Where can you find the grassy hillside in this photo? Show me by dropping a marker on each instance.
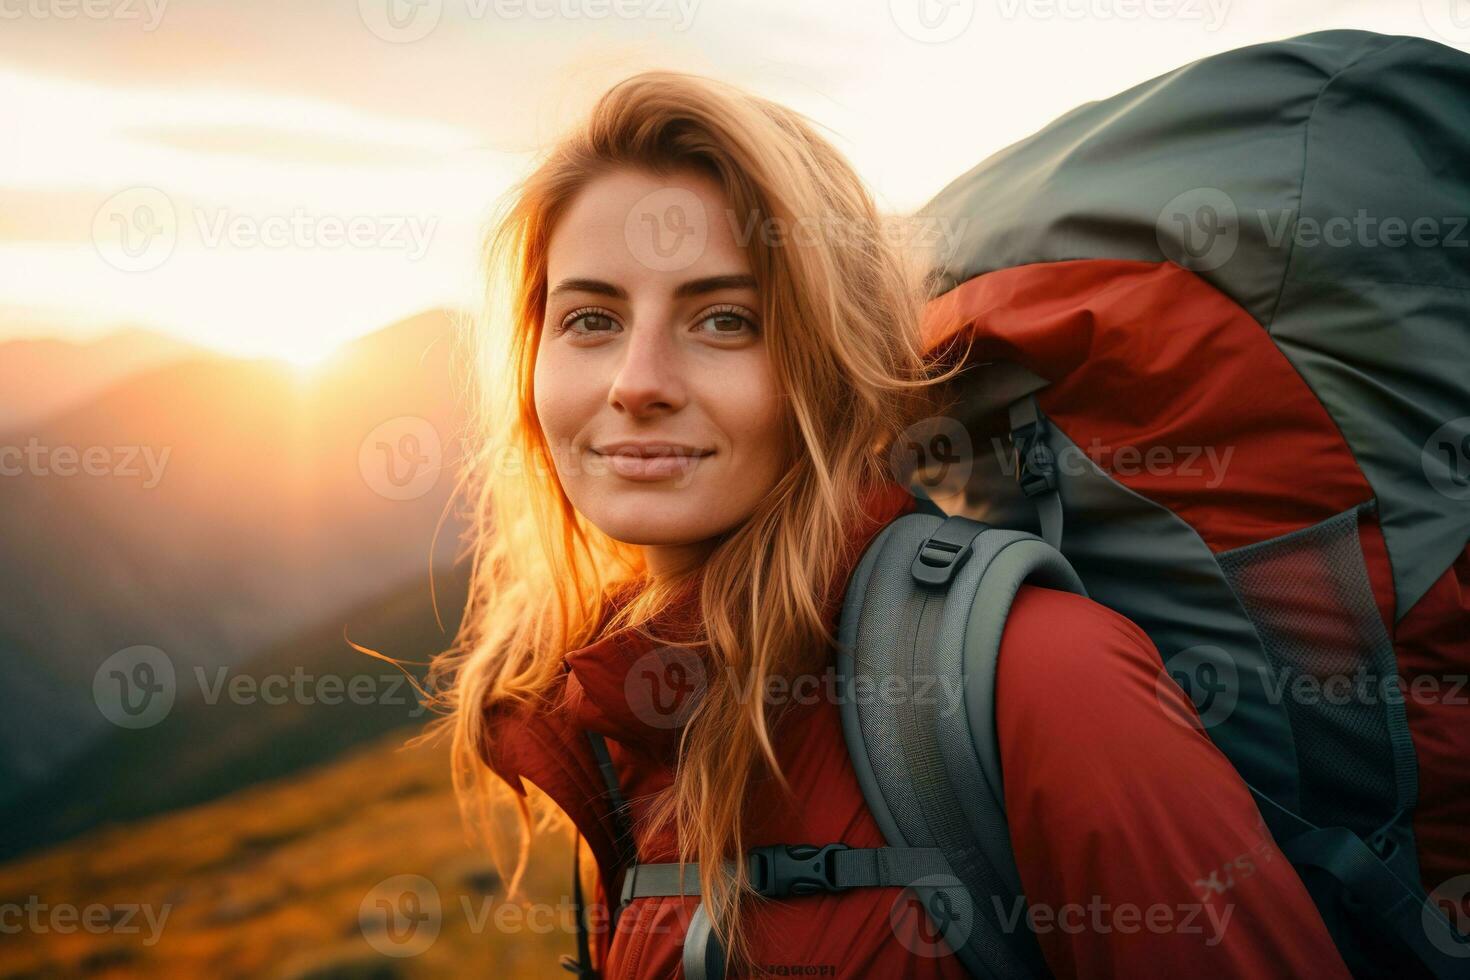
(327, 698)
(272, 882)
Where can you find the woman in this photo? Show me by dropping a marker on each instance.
(711, 343)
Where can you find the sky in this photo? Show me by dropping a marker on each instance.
(275, 177)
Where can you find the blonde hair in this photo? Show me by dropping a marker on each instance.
(841, 314)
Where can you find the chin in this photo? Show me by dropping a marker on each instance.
(662, 516)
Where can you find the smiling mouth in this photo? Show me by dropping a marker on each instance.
(651, 462)
(651, 451)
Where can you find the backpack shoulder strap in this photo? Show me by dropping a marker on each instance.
(919, 639)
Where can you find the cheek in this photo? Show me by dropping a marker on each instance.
(755, 412)
(565, 399)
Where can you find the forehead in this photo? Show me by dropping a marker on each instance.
(634, 226)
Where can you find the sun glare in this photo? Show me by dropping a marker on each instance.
(307, 360)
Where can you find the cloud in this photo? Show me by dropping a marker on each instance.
(263, 142)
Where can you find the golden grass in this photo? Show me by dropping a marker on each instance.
(269, 882)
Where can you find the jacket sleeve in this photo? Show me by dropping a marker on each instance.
(1141, 850)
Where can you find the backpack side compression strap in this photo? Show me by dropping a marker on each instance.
(921, 627)
(1401, 909)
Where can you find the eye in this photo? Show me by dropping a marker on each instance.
(727, 321)
(590, 320)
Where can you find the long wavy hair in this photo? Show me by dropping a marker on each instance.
(842, 314)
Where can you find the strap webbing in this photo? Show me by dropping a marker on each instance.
(1405, 912)
(840, 867)
(854, 867)
(627, 855)
(1027, 431)
(924, 504)
(582, 965)
(617, 804)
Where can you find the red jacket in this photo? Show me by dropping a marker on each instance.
(1140, 849)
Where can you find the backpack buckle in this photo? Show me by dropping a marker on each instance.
(1035, 464)
(780, 870)
(944, 551)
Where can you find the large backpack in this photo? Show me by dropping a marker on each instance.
(1149, 279)
(1261, 255)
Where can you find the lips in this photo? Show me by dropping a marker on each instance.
(650, 460)
(649, 450)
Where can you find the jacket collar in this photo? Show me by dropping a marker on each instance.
(638, 684)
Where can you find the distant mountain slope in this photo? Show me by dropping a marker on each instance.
(266, 508)
(272, 882)
(301, 703)
(43, 376)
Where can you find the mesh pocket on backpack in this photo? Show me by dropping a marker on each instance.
(1311, 602)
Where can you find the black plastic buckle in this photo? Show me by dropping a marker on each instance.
(793, 869)
(943, 552)
(1035, 464)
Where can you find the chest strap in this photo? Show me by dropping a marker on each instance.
(776, 871)
(781, 871)
(786, 870)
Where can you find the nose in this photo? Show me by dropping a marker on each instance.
(648, 380)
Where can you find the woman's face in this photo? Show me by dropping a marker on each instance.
(653, 383)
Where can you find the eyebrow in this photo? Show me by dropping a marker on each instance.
(694, 287)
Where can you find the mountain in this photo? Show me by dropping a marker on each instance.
(301, 703)
(283, 880)
(225, 506)
(43, 376)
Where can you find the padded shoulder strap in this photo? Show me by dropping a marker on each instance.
(921, 631)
